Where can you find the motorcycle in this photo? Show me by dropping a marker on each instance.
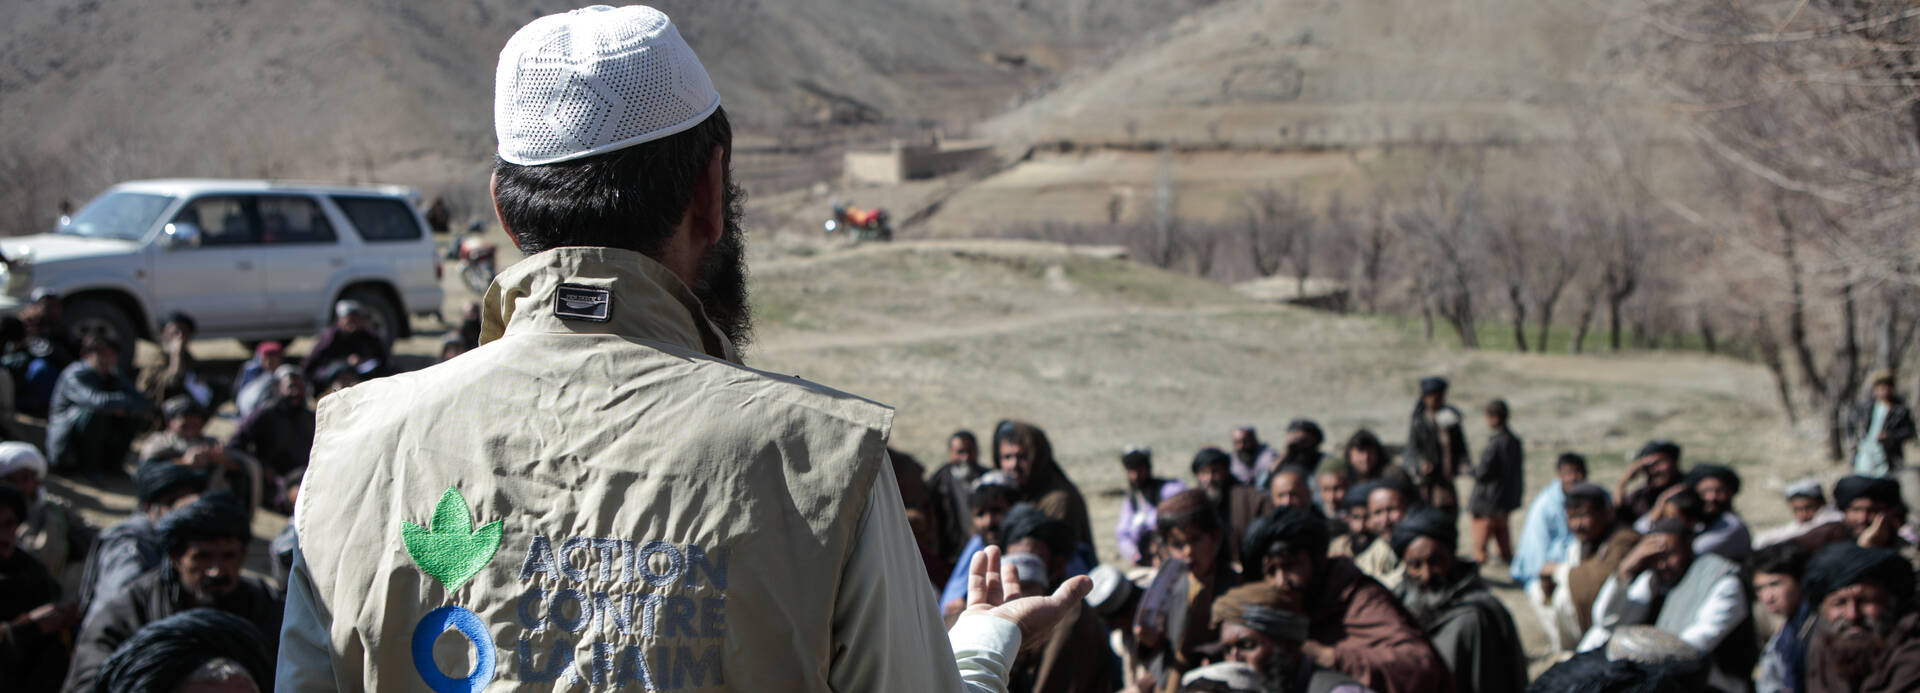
(476, 256)
(861, 224)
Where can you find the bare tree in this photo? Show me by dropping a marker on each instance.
(1444, 217)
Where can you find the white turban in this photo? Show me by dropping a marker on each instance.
(15, 456)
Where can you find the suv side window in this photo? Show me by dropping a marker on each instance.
(223, 221)
(380, 218)
(292, 220)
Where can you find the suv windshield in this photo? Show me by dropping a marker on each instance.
(122, 215)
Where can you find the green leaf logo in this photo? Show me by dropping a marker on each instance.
(451, 551)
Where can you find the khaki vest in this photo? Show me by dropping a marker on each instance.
(664, 518)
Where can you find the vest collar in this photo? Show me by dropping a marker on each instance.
(643, 300)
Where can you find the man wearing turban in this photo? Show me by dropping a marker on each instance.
(1355, 626)
(1260, 629)
(1867, 636)
(1468, 626)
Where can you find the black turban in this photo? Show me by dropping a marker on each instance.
(1432, 523)
(1210, 457)
(11, 497)
(160, 656)
(1842, 564)
(1660, 447)
(1430, 386)
(1847, 489)
(1025, 521)
(156, 479)
(213, 516)
(1307, 425)
(1713, 471)
(1289, 529)
(1592, 672)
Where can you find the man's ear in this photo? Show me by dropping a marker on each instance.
(707, 212)
(493, 194)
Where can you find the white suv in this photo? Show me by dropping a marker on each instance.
(248, 260)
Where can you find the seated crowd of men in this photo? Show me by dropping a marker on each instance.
(159, 599)
(1274, 569)
(1282, 569)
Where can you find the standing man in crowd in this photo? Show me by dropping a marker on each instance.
(1700, 598)
(1469, 627)
(1137, 510)
(1236, 505)
(1026, 457)
(1867, 638)
(1498, 482)
(1251, 456)
(96, 413)
(1879, 429)
(1355, 626)
(1301, 449)
(950, 485)
(1659, 460)
(606, 416)
(1436, 447)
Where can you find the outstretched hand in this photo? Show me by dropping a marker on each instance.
(994, 589)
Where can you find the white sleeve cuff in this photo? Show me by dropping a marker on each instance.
(983, 649)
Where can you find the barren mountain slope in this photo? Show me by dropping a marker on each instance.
(1329, 73)
(331, 88)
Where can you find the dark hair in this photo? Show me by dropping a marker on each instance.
(1678, 528)
(1588, 494)
(1571, 459)
(213, 516)
(1137, 458)
(1288, 529)
(1025, 521)
(988, 493)
(11, 497)
(93, 343)
(1364, 438)
(1498, 408)
(1784, 558)
(1188, 508)
(965, 435)
(165, 653)
(183, 320)
(1210, 457)
(630, 198)
(1689, 504)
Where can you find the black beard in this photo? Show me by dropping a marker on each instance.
(722, 282)
(1854, 655)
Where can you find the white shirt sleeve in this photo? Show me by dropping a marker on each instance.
(887, 632)
(306, 657)
(1617, 606)
(1724, 608)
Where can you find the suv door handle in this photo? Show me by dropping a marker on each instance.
(243, 265)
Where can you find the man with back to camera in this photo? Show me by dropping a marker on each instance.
(600, 493)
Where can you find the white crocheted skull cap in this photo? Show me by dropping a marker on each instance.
(594, 80)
